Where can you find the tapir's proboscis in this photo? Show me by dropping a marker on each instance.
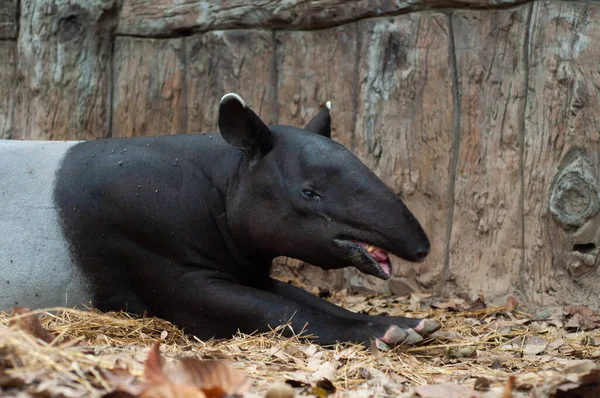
(185, 227)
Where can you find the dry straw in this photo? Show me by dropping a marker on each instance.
(477, 348)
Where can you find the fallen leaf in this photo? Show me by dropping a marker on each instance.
(580, 323)
(511, 304)
(280, 390)
(168, 390)
(448, 335)
(553, 345)
(479, 304)
(296, 383)
(534, 345)
(579, 309)
(7, 381)
(496, 364)
(153, 366)
(326, 385)
(482, 384)
(508, 387)
(29, 323)
(325, 371)
(462, 352)
(446, 390)
(448, 305)
(186, 378)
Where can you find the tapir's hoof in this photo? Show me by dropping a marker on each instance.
(397, 335)
(426, 327)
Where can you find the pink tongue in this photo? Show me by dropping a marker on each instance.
(379, 255)
(385, 268)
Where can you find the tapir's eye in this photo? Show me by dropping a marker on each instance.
(308, 194)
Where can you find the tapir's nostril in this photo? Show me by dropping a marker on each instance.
(421, 254)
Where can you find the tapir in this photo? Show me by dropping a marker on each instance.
(185, 227)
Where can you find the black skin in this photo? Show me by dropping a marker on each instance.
(185, 227)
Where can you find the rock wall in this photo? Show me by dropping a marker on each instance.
(482, 114)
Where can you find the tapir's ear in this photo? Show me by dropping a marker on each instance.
(321, 124)
(241, 127)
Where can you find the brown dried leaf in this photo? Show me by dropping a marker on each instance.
(280, 390)
(579, 309)
(511, 304)
(326, 385)
(186, 378)
(448, 335)
(296, 383)
(508, 388)
(534, 345)
(482, 384)
(153, 366)
(479, 304)
(214, 378)
(580, 322)
(7, 381)
(168, 390)
(446, 390)
(29, 323)
(448, 305)
(123, 381)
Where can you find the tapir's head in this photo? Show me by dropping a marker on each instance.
(300, 194)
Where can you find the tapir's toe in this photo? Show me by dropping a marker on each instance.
(413, 337)
(396, 335)
(426, 327)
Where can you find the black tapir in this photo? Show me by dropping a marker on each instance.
(185, 227)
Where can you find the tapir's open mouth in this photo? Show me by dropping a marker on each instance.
(367, 258)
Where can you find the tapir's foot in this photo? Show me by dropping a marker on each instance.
(396, 335)
(426, 327)
(422, 327)
(408, 331)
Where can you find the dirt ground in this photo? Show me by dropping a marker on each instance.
(480, 351)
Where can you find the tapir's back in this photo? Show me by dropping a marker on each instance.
(35, 268)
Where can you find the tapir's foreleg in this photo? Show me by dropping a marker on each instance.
(421, 326)
(217, 308)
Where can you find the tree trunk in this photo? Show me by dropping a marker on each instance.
(64, 58)
(8, 19)
(231, 61)
(404, 127)
(561, 155)
(8, 88)
(168, 17)
(487, 227)
(313, 68)
(148, 87)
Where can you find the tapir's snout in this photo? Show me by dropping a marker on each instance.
(415, 241)
(422, 253)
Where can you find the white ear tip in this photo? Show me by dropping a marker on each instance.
(234, 96)
(328, 105)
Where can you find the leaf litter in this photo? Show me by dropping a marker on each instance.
(481, 351)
